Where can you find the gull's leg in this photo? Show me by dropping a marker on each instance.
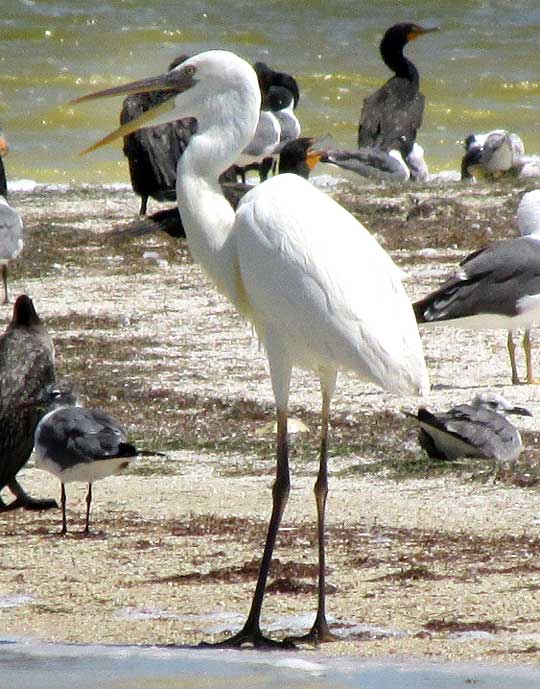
(320, 631)
(251, 631)
(63, 501)
(512, 354)
(528, 358)
(88, 503)
(4, 277)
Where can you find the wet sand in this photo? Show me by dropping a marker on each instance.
(426, 560)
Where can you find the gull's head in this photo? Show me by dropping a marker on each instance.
(495, 402)
(216, 87)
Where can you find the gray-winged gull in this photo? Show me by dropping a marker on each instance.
(78, 444)
(497, 287)
(479, 429)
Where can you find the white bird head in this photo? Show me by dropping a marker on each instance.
(495, 402)
(215, 87)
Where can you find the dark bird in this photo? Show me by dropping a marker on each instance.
(153, 152)
(497, 287)
(391, 116)
(479, 429)
(299, 157)
(268, 77)
(78, 444)
(26, 365)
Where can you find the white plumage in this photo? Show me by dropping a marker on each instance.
(318, 288)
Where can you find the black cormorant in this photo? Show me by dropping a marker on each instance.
(153, 152)
(26, 365)
(392, 115)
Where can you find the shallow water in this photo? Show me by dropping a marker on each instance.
(479, 72)
(32, 665)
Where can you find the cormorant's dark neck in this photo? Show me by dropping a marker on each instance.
(392, 55)
(3, 182)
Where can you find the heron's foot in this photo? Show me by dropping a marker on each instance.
(531, 380)
(318, 634)
(250, 637)
(515, 380)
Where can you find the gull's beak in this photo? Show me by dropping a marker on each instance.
(520, 411)
(176, 81)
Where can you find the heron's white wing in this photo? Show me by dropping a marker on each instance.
(317, 277)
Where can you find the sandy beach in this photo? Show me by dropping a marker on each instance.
(424, 559)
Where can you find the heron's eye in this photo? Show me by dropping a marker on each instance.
(189, 71)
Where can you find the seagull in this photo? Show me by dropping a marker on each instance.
(78, 444)
(278, 123)
(314, 303)
(479, 429)
(392, 115)
(26, 365)
(496, 287)
(11, 239)
(492, 155)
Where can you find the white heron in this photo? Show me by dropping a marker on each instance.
(319, 290)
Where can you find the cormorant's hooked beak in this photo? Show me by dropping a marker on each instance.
(419, 31)
(313, 158)
(176, 81)
(314, 153)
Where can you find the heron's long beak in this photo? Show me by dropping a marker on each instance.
(175, 82)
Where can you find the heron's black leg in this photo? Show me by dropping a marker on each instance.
(512, 354)
(63, 501)
(251, 631)
(320, 631)
(88, 503)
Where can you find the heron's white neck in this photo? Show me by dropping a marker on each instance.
(206, 214)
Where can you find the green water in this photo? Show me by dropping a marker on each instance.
(479, 72)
